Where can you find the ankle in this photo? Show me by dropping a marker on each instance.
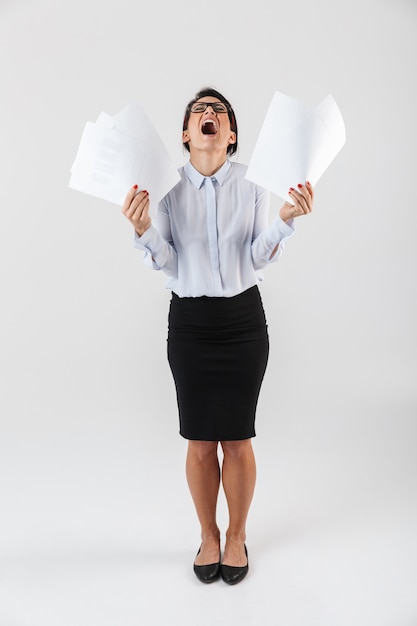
(235, 537)
(210, 536)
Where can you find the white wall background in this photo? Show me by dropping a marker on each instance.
(96, 524)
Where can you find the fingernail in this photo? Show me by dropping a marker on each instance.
(144, 191)
(299, 185)
(308, 183)
(135, 186)
(291, 188)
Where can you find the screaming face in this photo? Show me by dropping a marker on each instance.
(207, 127)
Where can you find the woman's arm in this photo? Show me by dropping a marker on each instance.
(265, 236)
(160, 253)
(266, 246)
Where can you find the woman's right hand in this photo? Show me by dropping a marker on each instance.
(136, 209)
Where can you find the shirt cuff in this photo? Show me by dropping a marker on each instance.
(280, 230)
(144, 242)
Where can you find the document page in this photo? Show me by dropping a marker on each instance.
(296, 143)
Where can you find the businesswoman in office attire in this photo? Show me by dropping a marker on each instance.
(212, 237)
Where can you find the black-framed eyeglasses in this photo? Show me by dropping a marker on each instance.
(200, 107)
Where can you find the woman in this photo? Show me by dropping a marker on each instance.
(212, 239)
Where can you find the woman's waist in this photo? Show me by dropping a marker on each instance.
(243, 310)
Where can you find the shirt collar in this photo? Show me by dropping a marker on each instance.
(197, 179)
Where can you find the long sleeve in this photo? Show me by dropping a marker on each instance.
(267, 237)
(158, 247)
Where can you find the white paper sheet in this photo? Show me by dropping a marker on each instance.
(120, 151)
(297, 142)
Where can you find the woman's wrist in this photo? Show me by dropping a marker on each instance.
(285, 214)
(141, 231)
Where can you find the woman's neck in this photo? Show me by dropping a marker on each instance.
(207, 163)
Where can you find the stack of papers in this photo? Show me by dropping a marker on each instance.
(118, 152)
(297, 142)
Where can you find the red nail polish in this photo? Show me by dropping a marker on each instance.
(135, 186)
(144, 191)
(291, 188)
(299, 185)
(308, 183)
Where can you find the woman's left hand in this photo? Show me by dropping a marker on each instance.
(303, 202)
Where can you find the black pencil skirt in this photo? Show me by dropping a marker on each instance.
(218, 351)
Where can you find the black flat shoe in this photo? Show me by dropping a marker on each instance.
(207, 573)
(233, 575)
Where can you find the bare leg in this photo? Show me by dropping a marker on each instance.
(239, 476)
(203, 476)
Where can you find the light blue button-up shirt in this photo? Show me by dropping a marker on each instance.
(211, 235)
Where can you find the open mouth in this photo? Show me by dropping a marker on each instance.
(209, 127)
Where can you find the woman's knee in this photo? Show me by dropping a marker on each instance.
(236, 448)
(202, 449)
